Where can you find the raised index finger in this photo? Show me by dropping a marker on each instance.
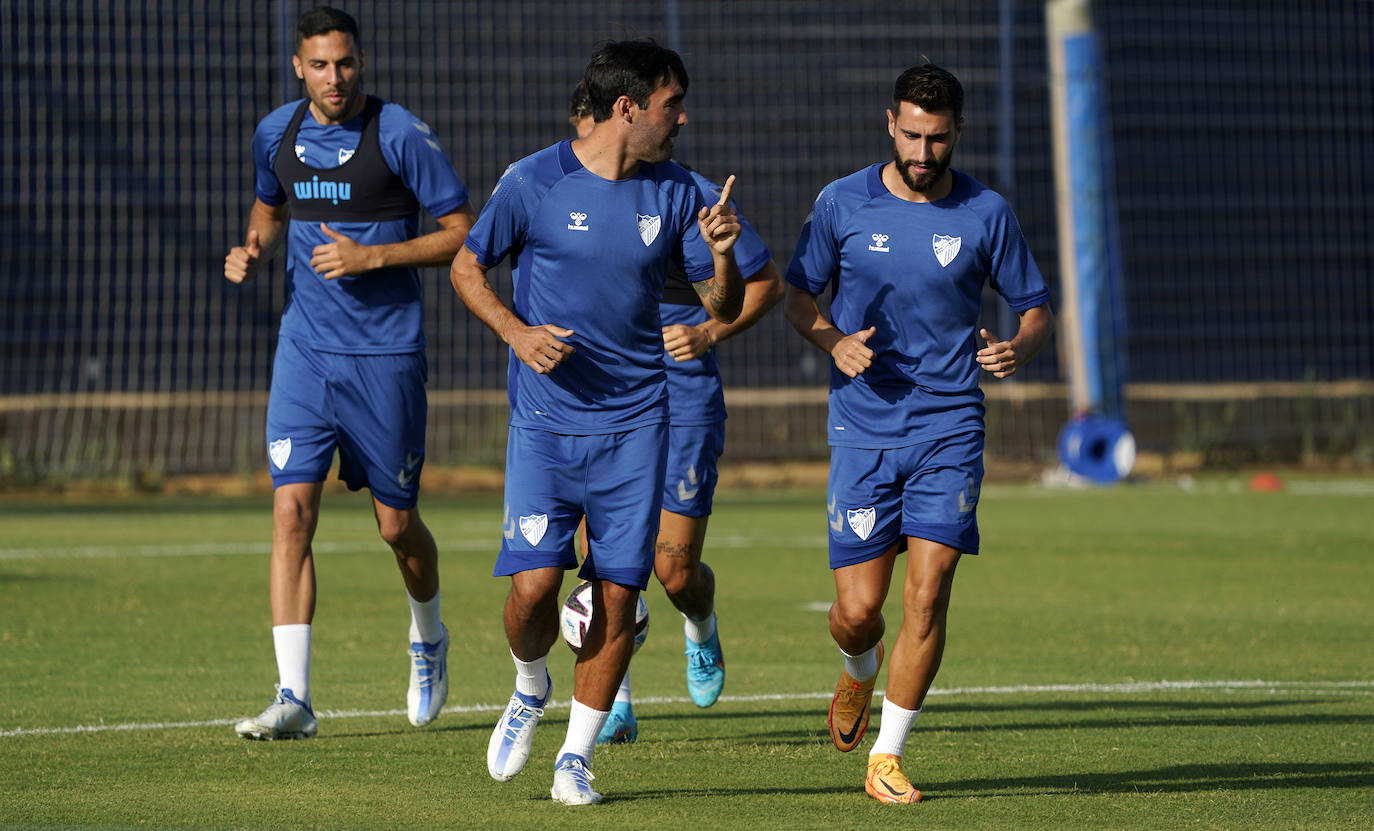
(725, 191)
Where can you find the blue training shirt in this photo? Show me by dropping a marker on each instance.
(590, 254)
(915, 271)
(364, 314)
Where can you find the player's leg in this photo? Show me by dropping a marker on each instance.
(621, 727)
(417, 556)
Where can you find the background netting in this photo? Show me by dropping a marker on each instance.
(1242, 142)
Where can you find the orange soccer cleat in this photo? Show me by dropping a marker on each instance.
(849, 709)
(886, 782)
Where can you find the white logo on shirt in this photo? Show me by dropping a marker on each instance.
(648, 227)
(578, 217)
(532, 528)
(879, 243)
(300, 152)
(861, 520)
(345, 155)
(946, 248)
(280, 451)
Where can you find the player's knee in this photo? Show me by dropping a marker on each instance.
(676, 576)
(394, 528)
(855, 617)
(924, 605)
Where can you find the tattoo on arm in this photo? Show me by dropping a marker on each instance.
(712, 291)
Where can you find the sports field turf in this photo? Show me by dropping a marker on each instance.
(1138, 657)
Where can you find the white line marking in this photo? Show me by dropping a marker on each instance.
(1337, 688)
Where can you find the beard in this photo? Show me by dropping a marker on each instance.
(920, 182)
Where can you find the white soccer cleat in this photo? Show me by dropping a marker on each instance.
(428, 680)
(287, 717)
(572, 782)
(509, 747)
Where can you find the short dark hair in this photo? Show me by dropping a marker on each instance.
(629, 67)
(322, 20)
(579, 105)
(930, 88)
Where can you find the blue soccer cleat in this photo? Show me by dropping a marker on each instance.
(572, 781)
(509, 747)
(428, 680)
(620, 726)
(287, 717)
(705, 670)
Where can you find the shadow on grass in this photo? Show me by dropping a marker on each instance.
(1172, 779)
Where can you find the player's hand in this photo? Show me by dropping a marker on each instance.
(540, 347)
(719, 224)
(341, 257)
(998, 357)
(686, 342)
(850, 353)
(242, 261)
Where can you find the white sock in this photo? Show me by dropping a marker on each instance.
(622, 695)
(863, 666)
(532, 677)
(700, 631)
(292, 645)
(425, 625)
(584, 724)
(896, 725)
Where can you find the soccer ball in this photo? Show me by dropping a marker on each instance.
(576, 616)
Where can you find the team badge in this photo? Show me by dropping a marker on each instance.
(345, 155)
(280, 451)
(946, 248)
(648, 227)
(532, 528)
(861, 520)
(300, 152)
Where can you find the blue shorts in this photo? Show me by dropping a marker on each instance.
(553, 480)
(372, 408)
(928, 490)
(691, 480)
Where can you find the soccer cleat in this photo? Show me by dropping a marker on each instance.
(287, 717)
(572, 782)
(509, 747)
(886, 782)
(849, 709)
(620, 726)
(705, 670)
(428, 680)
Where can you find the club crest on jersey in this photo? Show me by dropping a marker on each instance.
(648, 227)
(880, 243)
(300, 152)
(280, 451)
(578, 217)
(946, 248)
(532, 528)
(345, 155)
(861, 520)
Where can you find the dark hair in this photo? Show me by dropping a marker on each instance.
(579, 106)
(629, 67)
(930, 88)
(322, 20)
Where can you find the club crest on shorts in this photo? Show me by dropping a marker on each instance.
(946, 248)
(861, 520)
(280, 451)
(648, 227)
(532, 528)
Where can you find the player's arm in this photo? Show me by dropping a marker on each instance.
(723, 293)
(538, 347)
(761, 292)
(344, 256)
(850, 354)
(266, 230)
(1002, 357)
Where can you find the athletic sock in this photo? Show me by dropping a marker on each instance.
(425, 626)
(863, 666)
(622, 695)
(895, 727)
(292, 645)
(584, 724)
(700, 631)
(532, 677)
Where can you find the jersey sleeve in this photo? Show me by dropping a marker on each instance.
(414, 153)
(816, 259)
(266, 139)
(1014, 275)
(692, 253)
(501, 226)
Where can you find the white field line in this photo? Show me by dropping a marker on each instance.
(1329, 688)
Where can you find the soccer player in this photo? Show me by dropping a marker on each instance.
(591, 225)
(696, 435)
(341, 177)
(906, 246)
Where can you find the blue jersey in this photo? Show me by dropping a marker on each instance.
(590, 254)
(915, 271)
(695, 393)
(364, 314)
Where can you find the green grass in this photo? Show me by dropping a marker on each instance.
(146, 620)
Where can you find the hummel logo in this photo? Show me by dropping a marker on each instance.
(412, 461)
(578, 217)
(507, 527)
(836, 520)
(972, 502)
(879, 243)
(404, 479)
(682, 492)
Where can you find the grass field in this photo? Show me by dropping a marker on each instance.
(1138, 657)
